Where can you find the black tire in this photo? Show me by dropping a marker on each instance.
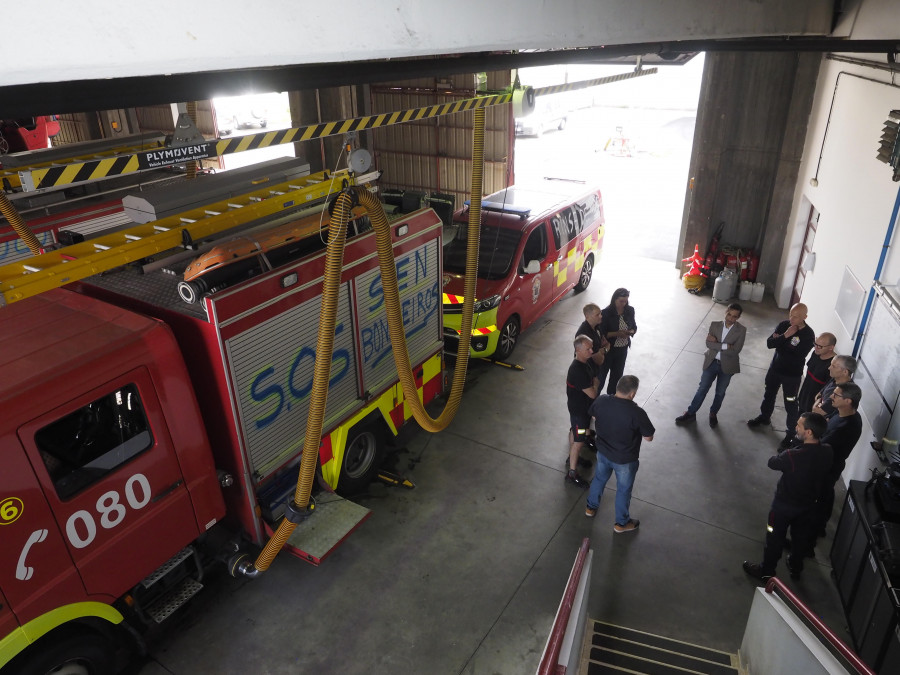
(76, 654)
(362, 459)
(587, 270)
(562, 124)
(509, 337)
(263, 124)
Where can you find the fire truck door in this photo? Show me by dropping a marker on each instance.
(108, 469)
(36, 572)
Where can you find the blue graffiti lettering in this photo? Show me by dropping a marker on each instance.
(402, 274)
(262, 392)
(416, 311)
(261, 396)
(376, 294)
(421, 265)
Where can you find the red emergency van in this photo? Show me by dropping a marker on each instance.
(537, 244)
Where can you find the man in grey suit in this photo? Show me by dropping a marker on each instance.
(723, 346)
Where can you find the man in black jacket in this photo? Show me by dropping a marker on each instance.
(804, 472)
(621, 426)
(791, 340)
(816, 370)
(581, 390)
(842, 434)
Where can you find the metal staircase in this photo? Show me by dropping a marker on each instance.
(614, 649)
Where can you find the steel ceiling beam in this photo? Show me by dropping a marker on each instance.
(49, 98)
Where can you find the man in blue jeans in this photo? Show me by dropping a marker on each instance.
(621, 424)
(723, 345)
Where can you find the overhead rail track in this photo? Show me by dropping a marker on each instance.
(35, 275)
(43, 178)
(573, 86)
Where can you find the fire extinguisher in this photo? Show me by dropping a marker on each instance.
(731, 260)
(752, 266)
(744, 263)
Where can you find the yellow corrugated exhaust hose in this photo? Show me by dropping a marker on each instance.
(298, 511)
(334, 259)
(19, 225)
(191, 165)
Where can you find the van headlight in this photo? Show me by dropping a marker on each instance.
(486, 304)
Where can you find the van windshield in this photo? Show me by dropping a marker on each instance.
(496, 252)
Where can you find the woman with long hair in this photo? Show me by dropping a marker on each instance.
(618, 326)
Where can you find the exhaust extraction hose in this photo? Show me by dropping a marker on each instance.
(299, 510)
(392, 294)
(392, 298)
(19, 225)
(191, 165)
(334, 259)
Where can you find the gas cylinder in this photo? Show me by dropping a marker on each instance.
(723, 290)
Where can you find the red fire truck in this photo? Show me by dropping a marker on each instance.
(144, 437)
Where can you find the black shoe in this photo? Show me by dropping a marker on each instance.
(582, 462)
(788, 544)
(759, 420)
(713, 420)
(575, 479)
(794, 568)
(786, 442)
(755, 570)
(685, 417)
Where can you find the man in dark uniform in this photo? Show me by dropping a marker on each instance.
(621, 425)
(841, 370)
(591, 327)
(842, 434)
(794, 506)
(791, 340)
(816, 371)
(581, 390)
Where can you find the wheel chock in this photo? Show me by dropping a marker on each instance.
(512, 366)
(393, 479)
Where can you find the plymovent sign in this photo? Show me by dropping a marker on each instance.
(169, 156)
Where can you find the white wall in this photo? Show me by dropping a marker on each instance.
(855, 197)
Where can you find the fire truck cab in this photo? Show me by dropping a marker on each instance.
(105, 455)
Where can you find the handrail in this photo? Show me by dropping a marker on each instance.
(561, 622)
(845, 651)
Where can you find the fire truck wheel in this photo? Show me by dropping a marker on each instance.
(584, 278)
(76, 654)
(509, 336)
(362, 458)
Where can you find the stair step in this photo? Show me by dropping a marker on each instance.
(177, 596)
(714, 655)
(168, 566)
(615, 649)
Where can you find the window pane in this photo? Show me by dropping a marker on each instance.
(85, 445)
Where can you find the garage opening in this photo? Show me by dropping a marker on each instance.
(250, 114)
(632, 138)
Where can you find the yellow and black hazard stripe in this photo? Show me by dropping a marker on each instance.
(93, 170)
(79, 172)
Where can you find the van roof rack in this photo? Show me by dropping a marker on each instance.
(500, 207)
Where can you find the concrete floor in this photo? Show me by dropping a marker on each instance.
(464, 573)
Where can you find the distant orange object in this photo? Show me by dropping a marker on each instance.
(246, 246)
